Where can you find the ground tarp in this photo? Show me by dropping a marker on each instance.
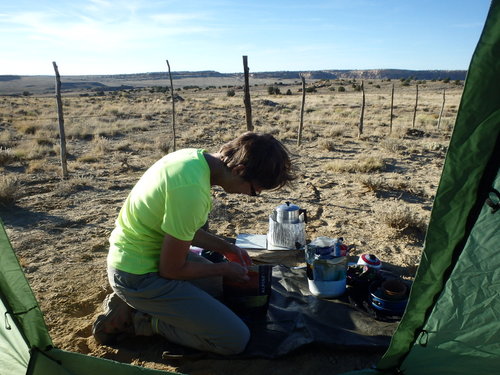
(295, 318)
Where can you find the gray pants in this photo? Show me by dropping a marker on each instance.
(184, 312)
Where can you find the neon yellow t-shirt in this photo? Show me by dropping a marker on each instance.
(172, 197)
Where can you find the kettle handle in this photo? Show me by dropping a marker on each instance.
(303, 211)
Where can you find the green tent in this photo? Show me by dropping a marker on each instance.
(452, 321)
(25, 344)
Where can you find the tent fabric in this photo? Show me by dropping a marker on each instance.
(22, 323)
(467, 341)
(61, 362)
(451, 321)
(22, 304)
(14, 352)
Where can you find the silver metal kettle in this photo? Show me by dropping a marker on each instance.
(289, 213)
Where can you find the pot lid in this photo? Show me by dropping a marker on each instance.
(287, 206)
(369, 260)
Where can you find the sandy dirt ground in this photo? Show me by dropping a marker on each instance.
(60, 228)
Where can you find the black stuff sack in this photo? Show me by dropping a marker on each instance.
(250, 298)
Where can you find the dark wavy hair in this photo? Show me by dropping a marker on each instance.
(267, 161)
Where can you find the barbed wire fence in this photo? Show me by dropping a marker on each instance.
(51, 121)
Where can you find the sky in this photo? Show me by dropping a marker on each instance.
(138, 36)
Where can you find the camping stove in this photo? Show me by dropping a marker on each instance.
(287, 227)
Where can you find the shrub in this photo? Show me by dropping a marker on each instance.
(401, 217)
(271, 90)
(374, 184)
(6, 156)
(230, 92)
(341, 89)
(363, 164)
(8, 189)
(328, 145)
(393, 145)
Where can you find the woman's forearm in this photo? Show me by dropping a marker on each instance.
(209, 241)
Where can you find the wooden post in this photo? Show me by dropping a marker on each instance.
(415, 109)
(173, 104)
(442, 109)
(392, 109)
(60, 117)
(299, 137)
(246, 99)
(362, 115)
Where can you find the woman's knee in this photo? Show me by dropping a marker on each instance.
(236, 343)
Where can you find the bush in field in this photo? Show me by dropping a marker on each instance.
(363, 165)
(8, 189)
(230, 92)
(341, 89)
(328, 145)
(402, 217)
(6, 156)
(271, 90)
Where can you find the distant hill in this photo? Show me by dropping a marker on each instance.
(370, 74)
(314, 74)
(44, 84)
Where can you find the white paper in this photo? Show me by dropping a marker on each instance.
(252, 241)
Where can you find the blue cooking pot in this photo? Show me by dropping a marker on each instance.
(389, 304)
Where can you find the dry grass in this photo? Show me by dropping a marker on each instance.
(364, 164)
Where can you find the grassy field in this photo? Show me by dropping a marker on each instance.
(375, 189)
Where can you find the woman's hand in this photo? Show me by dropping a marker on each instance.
(235, 272)
(238, 255)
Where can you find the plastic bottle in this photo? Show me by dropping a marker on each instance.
(338, 244)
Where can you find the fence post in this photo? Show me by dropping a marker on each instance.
(362, 115)
(392, 109)
(173, 104)
(60, 117)
(442, 109)
(246, 99)
(415, 109)
(299, 137)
